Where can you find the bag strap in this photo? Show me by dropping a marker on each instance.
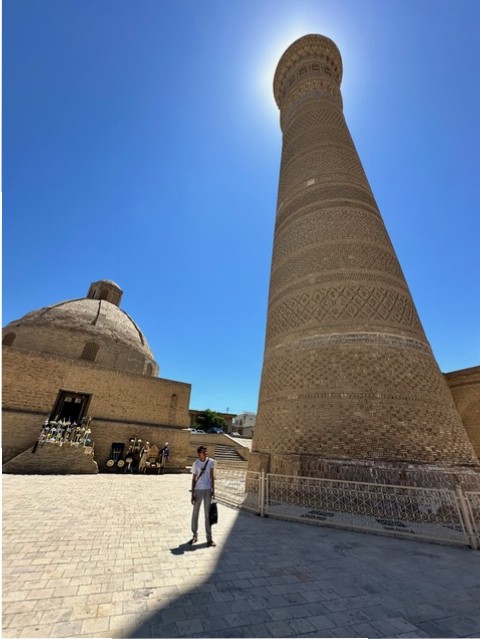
(203, 469)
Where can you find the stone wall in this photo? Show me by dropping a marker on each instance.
(105, 433)
(53, 460)
(20, 429)
(465, 388)
(121, 405)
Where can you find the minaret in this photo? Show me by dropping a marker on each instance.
(348, 373)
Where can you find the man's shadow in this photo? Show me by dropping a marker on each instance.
(187, 547)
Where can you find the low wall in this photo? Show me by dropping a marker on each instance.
(51, 459)
(104, 433)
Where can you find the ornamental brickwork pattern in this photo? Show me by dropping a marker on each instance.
(330, 307)
(348, 372)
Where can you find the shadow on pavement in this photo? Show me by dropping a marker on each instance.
(271, 578)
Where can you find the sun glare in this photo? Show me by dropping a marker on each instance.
(271, 48)
(269, 58)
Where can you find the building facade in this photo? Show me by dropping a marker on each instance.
(87, 357)
(244, 423)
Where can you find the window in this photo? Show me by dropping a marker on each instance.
(90, 351)
(173, 409)
(8, 339)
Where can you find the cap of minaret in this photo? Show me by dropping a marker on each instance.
(311, 65)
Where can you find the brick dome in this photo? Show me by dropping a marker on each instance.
(94, 329)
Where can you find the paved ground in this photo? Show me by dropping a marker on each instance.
(106, 556)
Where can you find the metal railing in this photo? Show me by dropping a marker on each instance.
(440, 515)
(239, 488)
(473, 505)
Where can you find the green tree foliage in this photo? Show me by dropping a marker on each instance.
(209, 419)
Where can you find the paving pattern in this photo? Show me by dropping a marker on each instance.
(106, 556)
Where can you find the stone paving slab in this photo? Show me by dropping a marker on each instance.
(106, 556)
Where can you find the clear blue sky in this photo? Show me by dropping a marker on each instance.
(141, 144)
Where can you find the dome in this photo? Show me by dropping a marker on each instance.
(92, 329)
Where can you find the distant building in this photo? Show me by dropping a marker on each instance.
(227, 417)
(244, 423)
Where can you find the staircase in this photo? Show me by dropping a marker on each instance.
(228, 455)
(222, 448)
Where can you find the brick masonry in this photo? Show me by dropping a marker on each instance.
(465, 388)
(122, 404)
(92, 328)
(348, 373)
(53, 460)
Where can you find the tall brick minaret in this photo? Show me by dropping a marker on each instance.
(348, 373)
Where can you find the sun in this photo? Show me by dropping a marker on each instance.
(269, 57)
(271, 46)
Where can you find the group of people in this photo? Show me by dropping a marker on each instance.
(64, 431)
(140, 458)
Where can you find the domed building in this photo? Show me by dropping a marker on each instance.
(87, 357)
(91, 328)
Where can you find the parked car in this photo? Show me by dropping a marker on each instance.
(215, 429)
(236, 435)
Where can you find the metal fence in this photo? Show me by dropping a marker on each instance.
(433, 514)
(473, 505)
(238, 487)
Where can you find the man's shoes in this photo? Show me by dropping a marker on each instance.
(211, 543)
(193, 540)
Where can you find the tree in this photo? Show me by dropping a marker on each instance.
(209, 419)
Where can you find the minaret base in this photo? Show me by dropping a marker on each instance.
(376, 472)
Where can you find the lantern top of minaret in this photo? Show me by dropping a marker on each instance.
(311, 54)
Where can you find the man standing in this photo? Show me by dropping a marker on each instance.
(203, 490)
(164, 454)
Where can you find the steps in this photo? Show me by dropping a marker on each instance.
(223, 454)
(227, 456)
